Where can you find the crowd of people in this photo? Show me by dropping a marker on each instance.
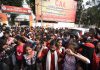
(38, 48)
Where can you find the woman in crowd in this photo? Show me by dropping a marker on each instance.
(30, 57)
(4, 64)
(60, 50)
(19, 52)
(71, 57)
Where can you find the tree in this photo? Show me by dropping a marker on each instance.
(17, 3)
(90, 16)
(31, 3)
(79, 12)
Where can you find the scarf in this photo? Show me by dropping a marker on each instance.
(48, 60)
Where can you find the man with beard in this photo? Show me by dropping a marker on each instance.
(49, 57)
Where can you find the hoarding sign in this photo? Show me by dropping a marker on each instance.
(56, 10)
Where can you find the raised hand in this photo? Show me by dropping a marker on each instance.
(69, 52)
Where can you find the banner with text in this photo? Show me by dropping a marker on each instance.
(13, 9)
(56, 10)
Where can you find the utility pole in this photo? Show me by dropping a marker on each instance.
(80, 18)
(41, 13)
(81, 14)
